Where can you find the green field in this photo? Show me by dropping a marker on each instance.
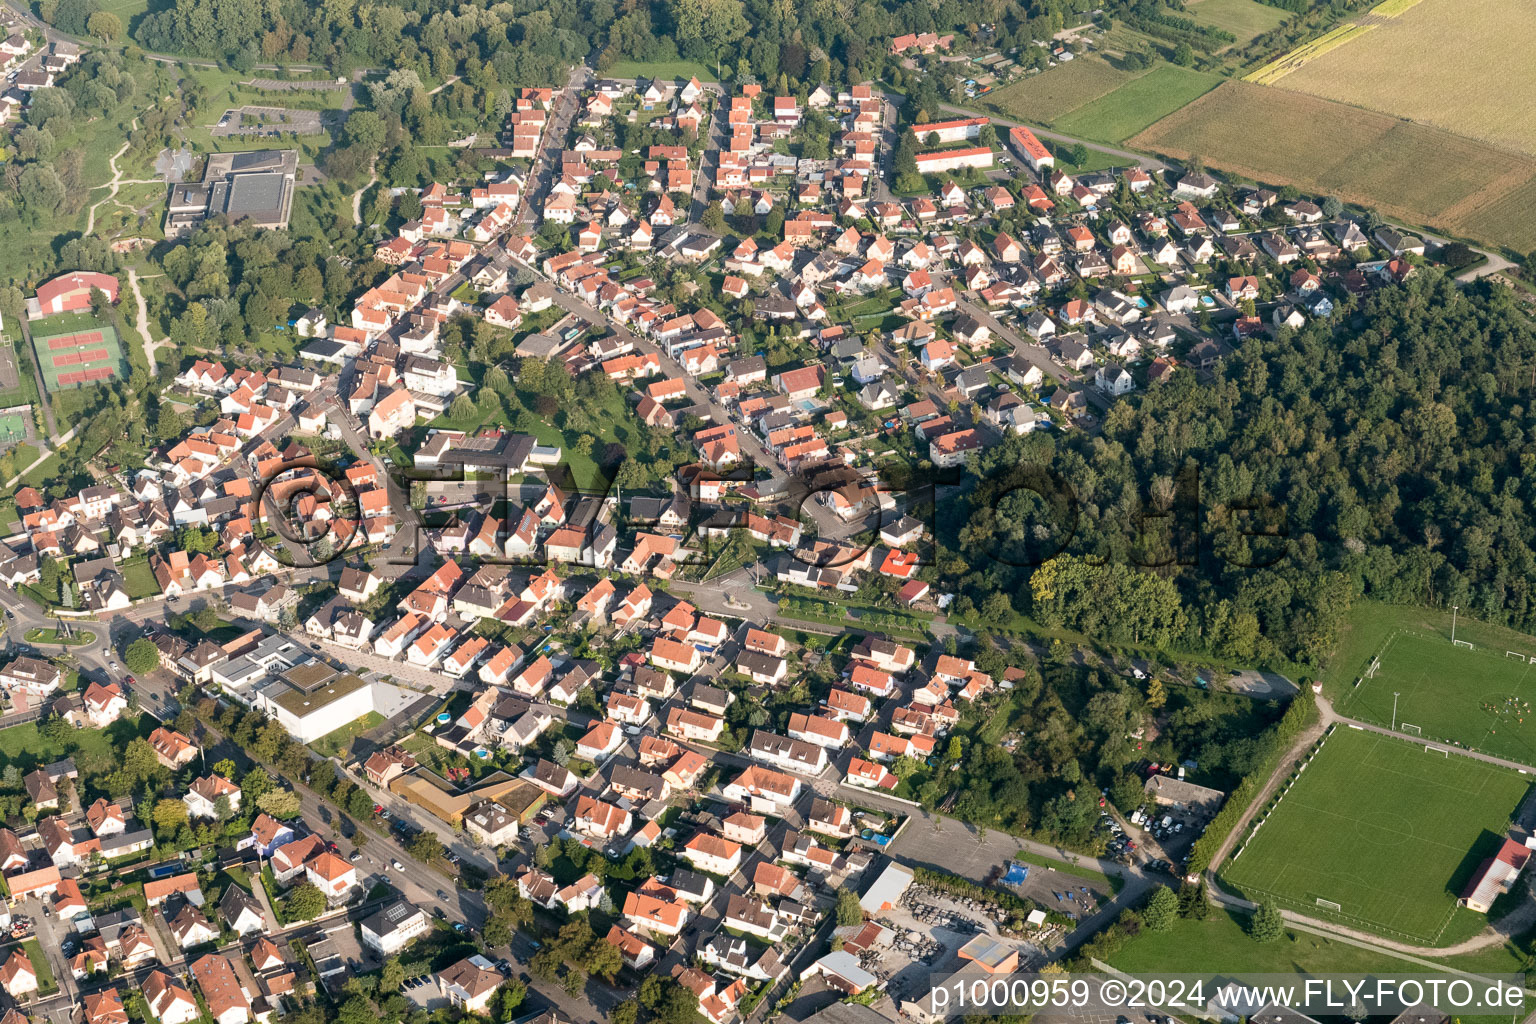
(1478, 698)
(1387, 830)
(1056, 92)
(1243, 18)
(1138, 103)
(1221, 942)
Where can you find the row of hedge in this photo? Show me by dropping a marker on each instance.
(1296, 718)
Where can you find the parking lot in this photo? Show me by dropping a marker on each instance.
(268, 121)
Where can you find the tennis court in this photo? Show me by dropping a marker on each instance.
(75, 350)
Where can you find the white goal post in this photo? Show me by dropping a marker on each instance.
(1328, 905)
(1431, 749)
(1370, 673)
(1416, 730)
(1463, 643)
(1516, 655)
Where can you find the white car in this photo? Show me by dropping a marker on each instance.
(397, 865)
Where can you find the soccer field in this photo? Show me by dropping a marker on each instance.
(1387, 830)
(1477, 698)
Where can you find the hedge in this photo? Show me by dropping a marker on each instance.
(1296, 718)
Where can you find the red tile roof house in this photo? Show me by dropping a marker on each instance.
(17, 975)
(712, 854)
(600, 820)
(227, 1001)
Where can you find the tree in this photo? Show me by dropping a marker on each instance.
(462, 407)
(848, 910)
(104, 25)
(714, 217)
(1162, 909)
(1266, 925)
(392, 976)
(1183, 55)
(603, 959)
(1332, 207)
(305, 902)
(497, 932)
(140, 761)
(627, 1012)
(225, 767)
(282, 804)
(169, 815)
(40, 189)
(366, 129)
(168, 425)
(425, 846)
(256, 784)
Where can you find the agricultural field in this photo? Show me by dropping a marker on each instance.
(1407, 171)
(1138, 103)
(1479, 698)
(1246, 19)
(1472, 70)
(1056, 92)
(1392, 833)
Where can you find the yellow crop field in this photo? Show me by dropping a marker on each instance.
(1462, 65)
(1298, 58)
(1412, 172)
(1392, 8)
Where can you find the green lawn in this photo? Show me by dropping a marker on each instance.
(1139, 103)
(50, 635)
(1222, 943)
(339, 742)
(1478, 698)
(662, 69)
(45, 983)
(139, 580)
(24, 746)
(1056, 92)
(1243, 18)
(1387, 830)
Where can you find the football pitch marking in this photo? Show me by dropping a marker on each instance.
(1381, 901)
(1423, 667)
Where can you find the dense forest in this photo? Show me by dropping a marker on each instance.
(521, 42)
(1393, 448)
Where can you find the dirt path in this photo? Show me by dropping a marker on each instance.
(141, 316)
(357, 197)
(113, 185)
